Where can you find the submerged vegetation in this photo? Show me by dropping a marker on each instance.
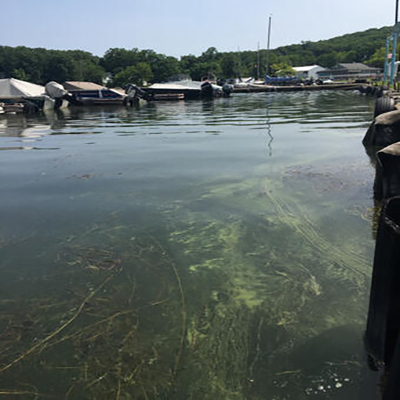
(199, 305)
(139, 66)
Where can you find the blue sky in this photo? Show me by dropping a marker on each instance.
(178, 27)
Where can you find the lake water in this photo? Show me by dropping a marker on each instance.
(188, 250)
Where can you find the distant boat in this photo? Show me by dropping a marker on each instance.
(190, 89)
(89, 93)
(280, 80)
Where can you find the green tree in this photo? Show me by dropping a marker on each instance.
(378, 58)
(282, 69)
(118, 59)
(19, 73)
(137, 74)
(229, 65)
(187, 63)
(164, 68)
(209, 55)
(205, 69)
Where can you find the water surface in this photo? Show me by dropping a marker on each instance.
(188, 250)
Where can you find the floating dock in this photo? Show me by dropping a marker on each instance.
(296, 88)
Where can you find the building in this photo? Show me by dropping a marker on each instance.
(346, 71)
(308, 72)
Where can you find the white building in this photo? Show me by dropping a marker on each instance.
(308, 72)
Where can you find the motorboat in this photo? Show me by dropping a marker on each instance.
(89, 93)
(33, 97)
(190, 89)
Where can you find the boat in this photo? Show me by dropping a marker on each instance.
(89, 93)
(33, 97)
(190, 89)
(281, 80)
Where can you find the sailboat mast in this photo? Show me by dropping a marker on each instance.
(258, 60)
(268, 44)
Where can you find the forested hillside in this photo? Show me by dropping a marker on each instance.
(39, 65)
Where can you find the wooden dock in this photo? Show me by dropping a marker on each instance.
(296, 88)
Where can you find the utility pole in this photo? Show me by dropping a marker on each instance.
(268, 43)
(396, 30)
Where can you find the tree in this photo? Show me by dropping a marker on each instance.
(164, 68)
(229, 66)
(137, 74)
(209, 55)
(187, 63)
(205, 69)
(378, 58)
(19, 73)
(85, 70)
(117, 58)
(58, 67)
(282, 69)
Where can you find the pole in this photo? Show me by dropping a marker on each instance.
(386, 66)
(395, 35)
(393, 63)
(258, 60)
(268, 43)
(240, 66)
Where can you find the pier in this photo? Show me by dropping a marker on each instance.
(296, 88)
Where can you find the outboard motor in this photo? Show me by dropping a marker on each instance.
(206, 89)
(134, 93)
(210, 90)
(221, 82)
(57, 92)
(227, 89)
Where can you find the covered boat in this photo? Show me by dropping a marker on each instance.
(93, 94)
(190, 89)
(33, 97)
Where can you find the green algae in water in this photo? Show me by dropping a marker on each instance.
(223, 302)
(220, 303)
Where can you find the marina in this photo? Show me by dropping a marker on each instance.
(188, 222)
(159, 246)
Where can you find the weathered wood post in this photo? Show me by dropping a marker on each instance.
(383, 325)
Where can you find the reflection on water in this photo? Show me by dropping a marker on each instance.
(195, 250)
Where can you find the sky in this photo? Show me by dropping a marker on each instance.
(181, 27)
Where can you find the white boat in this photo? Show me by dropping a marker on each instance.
(34, 97)
(190, 89)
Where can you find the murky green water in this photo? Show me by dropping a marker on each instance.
(191, 250)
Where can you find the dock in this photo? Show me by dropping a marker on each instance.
(296, 88)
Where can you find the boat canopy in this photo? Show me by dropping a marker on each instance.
(11, 88)
(177, 85)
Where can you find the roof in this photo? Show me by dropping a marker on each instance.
(306, 68)
(354, 66)
(11, 88)
(77, 85)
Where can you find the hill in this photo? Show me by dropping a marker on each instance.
(39, 65)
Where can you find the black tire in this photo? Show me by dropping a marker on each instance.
(383, 105)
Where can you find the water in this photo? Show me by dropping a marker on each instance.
(188, 250)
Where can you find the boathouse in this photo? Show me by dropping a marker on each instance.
(345, 71)
(308, 72)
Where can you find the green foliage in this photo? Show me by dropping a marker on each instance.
(378, 58)
(137, 74)
(282, 69)
(41, 66)
(19, 73)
